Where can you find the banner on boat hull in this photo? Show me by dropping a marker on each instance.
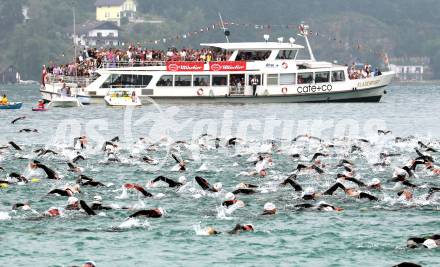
(227, 66)
(185, 66)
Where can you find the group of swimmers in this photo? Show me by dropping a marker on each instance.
(349, 182)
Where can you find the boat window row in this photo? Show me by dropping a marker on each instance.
(305, 77)
(192, 80)
(127, 80)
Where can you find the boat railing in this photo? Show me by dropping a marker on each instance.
(80, 81)
(125, 64)
(236, 90)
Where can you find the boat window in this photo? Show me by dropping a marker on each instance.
(182, 80)
(165, 80)
(272, 79)
(201, 80)
(322, 77)
(286, 54)
(306, 77)
(126, 80)
(219, 80)
(338, 76)
(253, 55)
(258, 76)
(287, 78)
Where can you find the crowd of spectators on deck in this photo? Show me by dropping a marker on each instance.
(363, 72)
(89, 59)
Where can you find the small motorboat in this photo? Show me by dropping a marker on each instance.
(122, 98)
(84, 99)
(12, 105)
(65, 102)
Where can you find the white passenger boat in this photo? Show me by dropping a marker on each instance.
(271, 68)
(65, 102)
(122, 98)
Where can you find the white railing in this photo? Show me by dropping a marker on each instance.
(80, 81)
(125, 64)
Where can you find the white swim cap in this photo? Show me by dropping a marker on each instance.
(182, 179)
(218, 186)
(430, 243)
(162, 211)
(229, 196)
(309, 191)
(97, 198)
(375, 181)
(90, 263)
(72, 200)
(269, 206)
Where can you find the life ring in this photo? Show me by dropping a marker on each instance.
(285, 65)
(200, 92)
(284, 90)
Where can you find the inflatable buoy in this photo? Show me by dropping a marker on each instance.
(200, 92)
(284, 90)
(35, 180)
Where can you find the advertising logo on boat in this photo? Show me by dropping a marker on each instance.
(314, 88)
(185, 66)
(227, 66)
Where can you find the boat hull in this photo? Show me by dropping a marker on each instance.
(365, 95)
(12, 105)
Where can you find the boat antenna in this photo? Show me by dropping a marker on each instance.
(226, 31)
(304, 32)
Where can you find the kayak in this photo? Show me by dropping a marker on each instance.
(12, 105)
(39, 109)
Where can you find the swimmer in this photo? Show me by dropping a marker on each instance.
(229, 200)
(153, 213)
(352, 192)
(17, 119)
(181, 164)
(301, 167)
(170, 182)
(41, 152)
(269, 209)
(15, 146)
(204, 184)
(322, 206)
(72, 203)
(21, 206)
(68, 191)
(405, 195)
(78, 158)
(97, 204)
(87, 181)
(82, 140)
(242, 228)
(383, 132)
(73, 168)
(139, 189)
(429, 242)
(26, 130)
(291, 180)
(51, 174)
(89, 264)
(246, 189)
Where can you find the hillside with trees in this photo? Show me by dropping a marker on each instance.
(344, 30)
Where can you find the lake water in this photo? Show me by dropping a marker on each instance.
(364, 234)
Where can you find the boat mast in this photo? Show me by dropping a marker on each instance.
(304, 32)
(74, 35)
(223, 27)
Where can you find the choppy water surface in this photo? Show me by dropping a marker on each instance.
(364, 234)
